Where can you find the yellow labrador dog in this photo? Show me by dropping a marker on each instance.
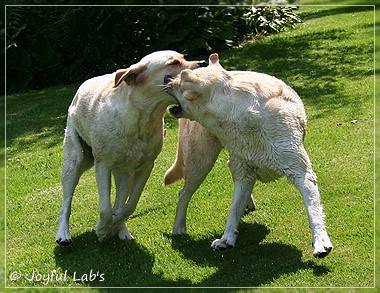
(261, 122)
(115, 122)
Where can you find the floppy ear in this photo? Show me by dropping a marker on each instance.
(188, 75)
(131, 75)
(214, 60)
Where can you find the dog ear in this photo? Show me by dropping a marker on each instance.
(213, 60)
(189, 75)
(131, 75)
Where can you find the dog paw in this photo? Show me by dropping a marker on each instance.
(63, 238)
(322, 248)
(103, 231)
(64, 241)
(123, 233)
(221, 244)
(102, 237)
(179, 230)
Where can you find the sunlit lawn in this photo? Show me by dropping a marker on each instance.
(328, 60)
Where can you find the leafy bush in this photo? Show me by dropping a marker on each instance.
(269, 20)
(52, 45)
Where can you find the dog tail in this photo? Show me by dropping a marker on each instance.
(177, 171)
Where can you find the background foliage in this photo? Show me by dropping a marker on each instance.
(54, 45)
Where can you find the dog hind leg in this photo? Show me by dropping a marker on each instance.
(199, 150)
(191, 185)
(77, 158)
(303, 177)
(307, 185)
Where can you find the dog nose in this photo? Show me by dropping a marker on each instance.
(202, 63)
(168, 78)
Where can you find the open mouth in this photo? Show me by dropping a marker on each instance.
(167, 88)
(176, 110)
(167, 79)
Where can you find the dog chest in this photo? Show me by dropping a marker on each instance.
(128, 154)
(119, 134)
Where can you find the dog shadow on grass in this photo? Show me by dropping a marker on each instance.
(112, 263)
(252, 263)
(115, 263)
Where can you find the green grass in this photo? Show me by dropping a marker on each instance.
(329, 61)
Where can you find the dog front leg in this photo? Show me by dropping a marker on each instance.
(123, 188)
(244, 179)
(137, 185)
(123, 183)
(242, 191)
(103, 180)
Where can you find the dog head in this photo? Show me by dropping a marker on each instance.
(194, 88)
(151, 70)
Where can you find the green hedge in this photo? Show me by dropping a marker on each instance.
(54, 45)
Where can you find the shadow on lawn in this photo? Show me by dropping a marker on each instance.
(314, 64)
(122, 263)
(251, 263)
(128, 264)
(328, 11)
(38, 115)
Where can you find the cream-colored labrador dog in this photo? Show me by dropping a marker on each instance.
(115, 122)
(261, 122)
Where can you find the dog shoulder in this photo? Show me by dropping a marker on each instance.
(97, 84)
(94, 90)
